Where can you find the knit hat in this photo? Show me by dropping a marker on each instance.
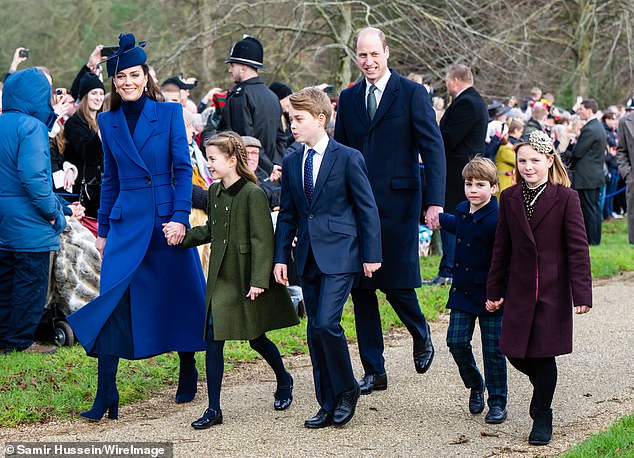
(88, 82)
(281, 90)
(128, 55)
(248, 51)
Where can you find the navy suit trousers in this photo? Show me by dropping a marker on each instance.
(368, 323)
(324, 298)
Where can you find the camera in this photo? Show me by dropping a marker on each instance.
(24, 53)
(108, 51)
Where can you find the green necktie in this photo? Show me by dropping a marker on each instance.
(371, 102)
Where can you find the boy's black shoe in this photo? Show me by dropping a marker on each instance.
(495, 415)
(373, 382)
(476, 400)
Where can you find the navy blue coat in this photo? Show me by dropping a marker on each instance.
(341, 225)
(147, 181)
(27, 202)
(463, 128)
(475, 236)
(403, 128)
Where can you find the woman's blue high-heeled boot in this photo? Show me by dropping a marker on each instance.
(187, 377)
(107, 397)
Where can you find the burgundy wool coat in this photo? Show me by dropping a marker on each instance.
(541, 268)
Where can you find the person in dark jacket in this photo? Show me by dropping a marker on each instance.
(252, 108)
(32, 216)
(609, 125)
(268, 182)
(473, 223)
(588, 156)
(463, 128)
(84, 146)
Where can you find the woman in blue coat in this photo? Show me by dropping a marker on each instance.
(152, 297)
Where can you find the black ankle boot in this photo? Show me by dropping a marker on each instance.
(542, 430)
(107, 397)
(187, 378)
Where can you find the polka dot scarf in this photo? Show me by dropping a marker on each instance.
(530, 196)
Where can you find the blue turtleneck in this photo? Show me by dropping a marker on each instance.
(132, 111)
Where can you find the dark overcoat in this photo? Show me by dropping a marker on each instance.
(240, 231)
(541, 268)
(588, 156)
(146, 182)
(475, 235)
(403, 129)
(463, 128)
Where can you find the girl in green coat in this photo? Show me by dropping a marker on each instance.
(242, 300)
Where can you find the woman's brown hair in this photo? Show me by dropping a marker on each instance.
(152, 90)
(231, 145)
(84, 113)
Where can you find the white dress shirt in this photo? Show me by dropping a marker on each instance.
(320, 149)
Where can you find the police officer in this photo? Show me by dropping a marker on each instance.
(252, 108)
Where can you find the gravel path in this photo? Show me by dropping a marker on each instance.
(419, 415)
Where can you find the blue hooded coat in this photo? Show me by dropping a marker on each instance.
(27, 202)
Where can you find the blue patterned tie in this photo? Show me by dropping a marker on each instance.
(308, 175)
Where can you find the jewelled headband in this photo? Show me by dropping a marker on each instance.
(540, 142)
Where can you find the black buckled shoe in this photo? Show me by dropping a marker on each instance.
(209, 418)
(284, 395)
(476, 400)
(322, 419)
(495, 415)
(346, 406)
(373, 382)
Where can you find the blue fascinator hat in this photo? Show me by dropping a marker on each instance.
(128, 55)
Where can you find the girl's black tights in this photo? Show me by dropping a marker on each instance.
(214, 362)
(542, 373)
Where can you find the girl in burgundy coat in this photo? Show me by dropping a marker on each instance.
(540, 268)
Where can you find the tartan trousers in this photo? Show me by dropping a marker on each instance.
(459, 335)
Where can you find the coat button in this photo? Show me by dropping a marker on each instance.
(226, 224)
(227, 208)
(456, 265)
(224, 241)
(212, 239)
(213, 222)
(466, 269)
(468, 245)
(459, 240)
(453, 290)
(148, 181)
(215, 205)
(311, 216)
(464, 216)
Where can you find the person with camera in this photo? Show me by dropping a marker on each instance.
(84, 146)
(152, 292)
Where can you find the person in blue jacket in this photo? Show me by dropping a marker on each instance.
(473, 223)
(31, 216)
(152, 292)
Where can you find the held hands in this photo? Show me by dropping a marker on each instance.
(432, 217)
(174, 232)
(492, 306)
(254, 292)
(280, 271)
(370, 267)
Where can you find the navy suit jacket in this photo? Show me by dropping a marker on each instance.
(403, 129)
(341, 225)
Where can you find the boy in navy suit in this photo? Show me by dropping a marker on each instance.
(474, 223)
(327, 203)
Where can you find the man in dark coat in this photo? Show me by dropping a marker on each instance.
(252, 108)
(463, 128)
(588, 157)
(391, 121)
(625, 157)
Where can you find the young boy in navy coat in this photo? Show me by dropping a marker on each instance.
(474, 224)
(327, 203)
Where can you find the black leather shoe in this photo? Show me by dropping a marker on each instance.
(495, 415)
(542, 430)
(346, 406)
(438, 280)
(373, 382)
(322, 419)
(476, 400)
(209, 418)
(284, 395)
(423, 353)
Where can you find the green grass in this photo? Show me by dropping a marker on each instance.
(617, 441)
(615, 254)
(40, 388)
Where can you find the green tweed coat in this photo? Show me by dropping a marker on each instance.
(240, 231)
